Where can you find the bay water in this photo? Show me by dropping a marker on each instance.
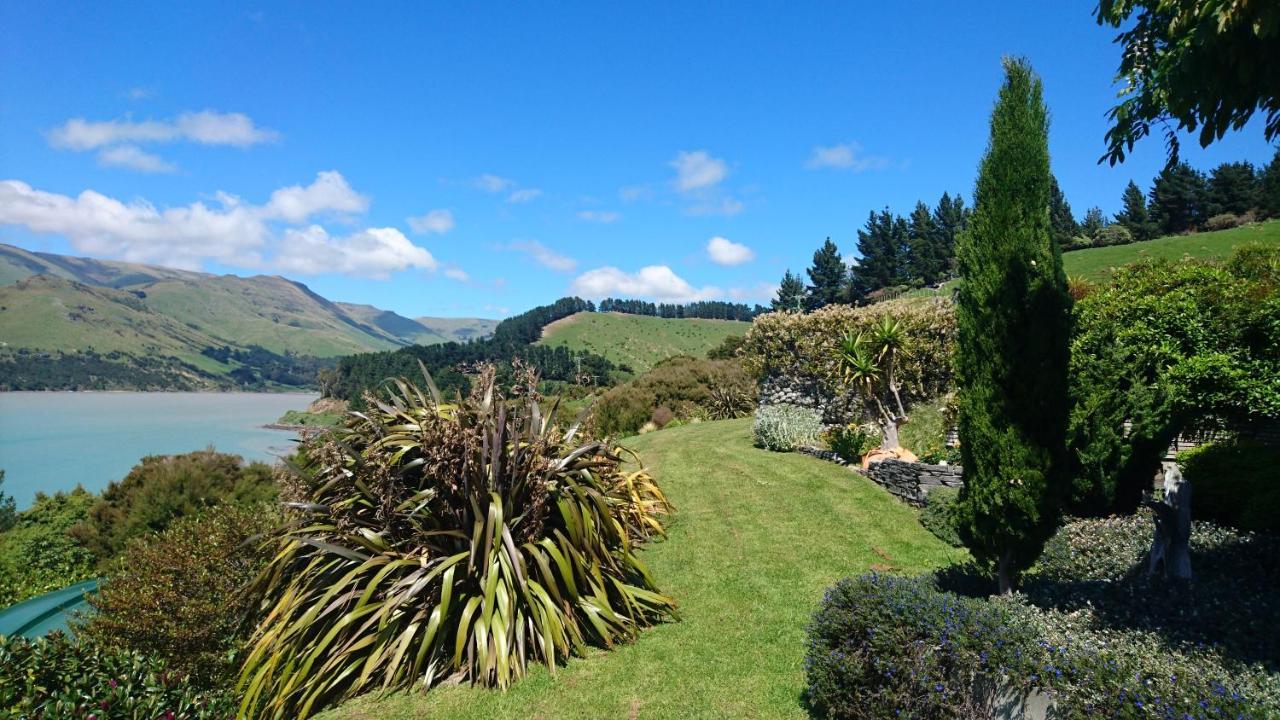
(52, 441)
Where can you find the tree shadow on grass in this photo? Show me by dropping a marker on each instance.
(1233, 604)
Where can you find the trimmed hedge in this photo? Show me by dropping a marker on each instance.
(803, 345)
(1235, 484)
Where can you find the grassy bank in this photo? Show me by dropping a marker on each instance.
(640, 341)
(1097, 264)
(757, 538)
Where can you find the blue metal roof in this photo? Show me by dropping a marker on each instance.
(42, 615)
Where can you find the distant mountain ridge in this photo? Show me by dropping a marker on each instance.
(67, 305)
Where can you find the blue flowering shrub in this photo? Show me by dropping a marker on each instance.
(1089, 630)
(888, 647)
(58, 678)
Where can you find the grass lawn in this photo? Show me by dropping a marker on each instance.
(640, 341)
(1097, 264)
(757, 538)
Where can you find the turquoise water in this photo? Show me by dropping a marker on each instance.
(51, 441)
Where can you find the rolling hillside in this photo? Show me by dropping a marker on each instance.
(62, 304)
(639, 341)
(1097, 264)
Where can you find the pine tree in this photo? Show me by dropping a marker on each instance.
(949, 219)
(1269, 200)
(826, 277)
(927, 256)
(882, 253)
(1233, 188)
(1178, 199)
(1064, 226)
(1013, 318)
(1134, 216)
(1093, 223)
(790, 293)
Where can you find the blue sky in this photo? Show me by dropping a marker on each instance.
(467, 159)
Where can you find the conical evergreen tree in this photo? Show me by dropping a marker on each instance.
(949, 219)
(790, 293)
(1178, 199)
(927, 256)
(1013, 319)
(1233, 188)
(1063, 224)
(1269, 201)
(1134, 216)
(826, 277)
(1093, 222)
(882, 253)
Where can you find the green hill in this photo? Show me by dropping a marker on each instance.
(62, 304)
(756, 538)
(1097, 264)
(639, 341)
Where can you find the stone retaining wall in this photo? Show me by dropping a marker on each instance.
(912, 481)
(785, 390)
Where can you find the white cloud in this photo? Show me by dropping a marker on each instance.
(207, 127)
(436, 221)
(455, 273)
(697, 170)
(600, 216)
(845, 156)
(229, 231)
(133, 157)
(632, 193)
(139, 93)
(544, 256)
(328, 193)
(492, 183)
(655, 281)
(98, 225)
(373, 253)
(714, 206)
(723, 251)
(523, 195)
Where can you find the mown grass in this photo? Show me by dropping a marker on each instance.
(756, 540)
(1097, 264)
(640, 341)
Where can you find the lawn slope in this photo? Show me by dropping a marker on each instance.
(757, 538)
(639, 341)
(1097, 264)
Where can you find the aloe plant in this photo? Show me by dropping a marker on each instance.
(464, 540)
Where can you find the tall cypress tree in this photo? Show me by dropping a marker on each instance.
(1134, 216)
(826, 277)
(1013, 320)
(790, 293)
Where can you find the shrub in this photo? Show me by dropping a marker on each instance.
(465, 540)
(783, 428)
(8, 508)
(56, 677)
(852, 441)
(662, 416)
(37, 555)
(687, 386)
(938, 515)
(178, 596)
(163, 488)
(884, 647)
(1235, 484)
(727, 349)
(888, 647)
(1223, 221)
(926, 434)
(1115, 234)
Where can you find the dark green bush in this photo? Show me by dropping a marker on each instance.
(851, 441)
(8, 508)
(889, 647)
(178, 595)
(937, 515)
(1235, 484)
(728, 348)
(37, 555)
(58, 678)
(886, 647)
(163, 488)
